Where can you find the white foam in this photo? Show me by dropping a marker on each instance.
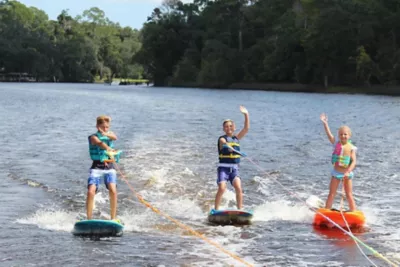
(282, 210)
(156, 178)
(99, 199)
(229, 238)
(371, 213)
(57, 220)
(184, 207)
(187, 171)
(138, 222)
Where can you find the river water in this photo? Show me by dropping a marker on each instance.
(169, 138)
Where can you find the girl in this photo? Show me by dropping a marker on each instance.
(344, 162)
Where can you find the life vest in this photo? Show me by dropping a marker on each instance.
(96, 152)
(341, 155)
(226, 156)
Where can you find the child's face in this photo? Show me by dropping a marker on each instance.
(104, 126)
(344, 134)
(229, 127)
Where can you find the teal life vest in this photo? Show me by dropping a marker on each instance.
(341, 155)
(226, 156)
(96, 152)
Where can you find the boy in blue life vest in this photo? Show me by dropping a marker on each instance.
(228, 166)
(100, 149)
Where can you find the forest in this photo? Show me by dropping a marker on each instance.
(80, 49)
(211, 43)
(223, 42)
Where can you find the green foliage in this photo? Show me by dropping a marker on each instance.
(164, 41)
(185, 73)
(68, 49)
(325, 42)
(365, 65)
(216, 57)
(214, 43)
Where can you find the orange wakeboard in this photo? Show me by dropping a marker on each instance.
(355, 219)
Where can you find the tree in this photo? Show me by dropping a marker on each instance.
(73, 50)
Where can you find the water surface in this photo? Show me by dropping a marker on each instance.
(169, 138)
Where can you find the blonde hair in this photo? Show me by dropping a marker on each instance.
(102, 119)
(345, 127)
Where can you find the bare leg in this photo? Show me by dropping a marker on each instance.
(221, 191)
(112, 190)
(238, 189)
(348, 184)
(332, 192)
(90, 201)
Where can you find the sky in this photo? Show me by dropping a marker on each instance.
(131, 13)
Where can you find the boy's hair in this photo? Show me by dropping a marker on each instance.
(227, 120)
(102, 119)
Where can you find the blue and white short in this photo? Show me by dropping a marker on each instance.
(340, 175)
(227, 174)
(95, 175)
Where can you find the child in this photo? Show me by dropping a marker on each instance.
(100, 149)
(344, 162)
(228, 167)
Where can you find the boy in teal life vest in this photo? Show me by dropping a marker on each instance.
(100, 149)
(228, 166)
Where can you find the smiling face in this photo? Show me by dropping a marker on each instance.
(344, 134)
(229, 127)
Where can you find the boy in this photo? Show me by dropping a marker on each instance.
(228, 167)
(101, 151)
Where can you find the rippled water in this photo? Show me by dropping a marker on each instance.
(169, 140)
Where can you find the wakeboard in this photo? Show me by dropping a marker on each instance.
(353, 219)
(230, 217)
(98, 228)
(324, 217)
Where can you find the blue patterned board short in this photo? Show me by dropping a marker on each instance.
(95, 176)
(340, 175)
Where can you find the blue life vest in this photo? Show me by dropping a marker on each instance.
(226, 156)
(96, 152)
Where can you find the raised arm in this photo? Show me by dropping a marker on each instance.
(246, 127)
(324, 119)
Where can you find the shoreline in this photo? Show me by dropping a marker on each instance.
(305, 88)
(391, 90)
(301, 88)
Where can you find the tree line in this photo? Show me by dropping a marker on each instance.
(68, 49)
(222, 42)
(211, 43)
